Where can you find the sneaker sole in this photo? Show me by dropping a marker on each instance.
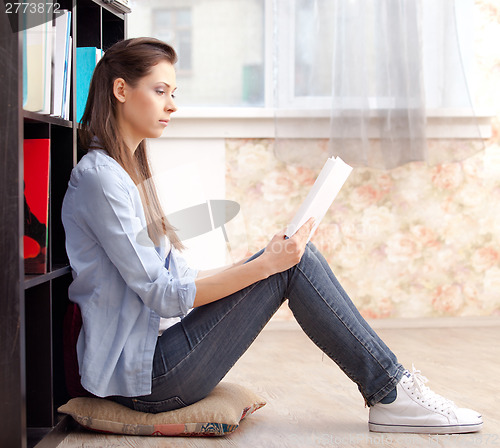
(453, 429)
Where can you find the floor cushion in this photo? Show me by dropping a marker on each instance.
(218, 414)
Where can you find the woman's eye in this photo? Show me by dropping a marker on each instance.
(160, 92)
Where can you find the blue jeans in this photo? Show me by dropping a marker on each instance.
(194, 355)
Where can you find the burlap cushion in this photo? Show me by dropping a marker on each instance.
(218, 414)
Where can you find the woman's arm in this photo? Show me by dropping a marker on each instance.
(279, 255)
(210, 272)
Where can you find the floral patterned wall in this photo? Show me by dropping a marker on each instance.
(421, 240)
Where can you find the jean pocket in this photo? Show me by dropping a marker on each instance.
(154, 407)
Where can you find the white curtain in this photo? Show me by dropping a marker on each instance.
(363, 74)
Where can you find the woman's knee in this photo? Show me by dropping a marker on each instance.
(309, 256)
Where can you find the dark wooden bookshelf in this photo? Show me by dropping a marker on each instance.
(34, 117)
(32, 308)
(37, 279)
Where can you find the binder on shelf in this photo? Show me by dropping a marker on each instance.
(33, 73)
(37, 67)
(36, 204)
(61, 66)
(86, 60)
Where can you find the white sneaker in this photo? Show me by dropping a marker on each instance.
(417, 409)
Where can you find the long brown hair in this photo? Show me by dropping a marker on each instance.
(130, 59)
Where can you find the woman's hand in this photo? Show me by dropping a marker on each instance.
(279, 255)
(282, 253)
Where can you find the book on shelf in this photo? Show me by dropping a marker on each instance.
(61, 64)
(67, 80)
(322, 194)
(46, 66)
(86, 60)
(37, 69)
(36, 204)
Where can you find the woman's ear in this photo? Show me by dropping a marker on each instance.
(119, 89)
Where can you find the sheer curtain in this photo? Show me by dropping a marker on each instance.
(363, 74)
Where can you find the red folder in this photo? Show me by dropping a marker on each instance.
(36, 204)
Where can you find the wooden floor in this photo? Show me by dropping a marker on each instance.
(310, 403)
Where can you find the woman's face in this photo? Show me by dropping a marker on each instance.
(145, 109)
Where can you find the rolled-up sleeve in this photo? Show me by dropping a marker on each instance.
(181, 266)
(110, 209)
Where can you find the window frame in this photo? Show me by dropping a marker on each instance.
(259, 121)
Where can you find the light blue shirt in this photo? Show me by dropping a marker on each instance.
(120, 281)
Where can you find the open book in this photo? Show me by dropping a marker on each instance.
(329, 182)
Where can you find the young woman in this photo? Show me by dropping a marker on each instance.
(125, 284)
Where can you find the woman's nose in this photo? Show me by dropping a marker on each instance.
(171, 106)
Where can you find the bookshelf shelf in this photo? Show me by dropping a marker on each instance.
(32, 309)
(34, 117)
(38, 279)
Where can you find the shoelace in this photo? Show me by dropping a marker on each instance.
(431, 399)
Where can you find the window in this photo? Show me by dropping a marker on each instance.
(221, 47)
(174, 26)
(227, 50)
(312, 28)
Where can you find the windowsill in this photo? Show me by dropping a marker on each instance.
(240, 122)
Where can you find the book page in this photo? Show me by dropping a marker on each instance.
(328, 184)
